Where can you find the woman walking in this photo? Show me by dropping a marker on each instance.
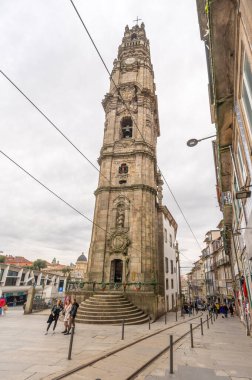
(67, 309)
(54, 316)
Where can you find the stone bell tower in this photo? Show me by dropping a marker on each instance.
(125, 248)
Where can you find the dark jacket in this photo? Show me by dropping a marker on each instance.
(74, 309)
(56, 309)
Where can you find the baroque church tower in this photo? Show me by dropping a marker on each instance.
(124, 244)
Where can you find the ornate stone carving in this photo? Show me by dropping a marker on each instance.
(119, 243)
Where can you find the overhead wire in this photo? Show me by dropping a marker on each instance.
(135, 123)
(59, 130)
(53, 124)
(60, 198)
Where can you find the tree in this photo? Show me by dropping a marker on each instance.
(67, 272)
(39, 264)
(2, 259)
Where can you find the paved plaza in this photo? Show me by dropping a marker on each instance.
(27, 353)
(224, 352)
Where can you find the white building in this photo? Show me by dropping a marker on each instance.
(171, 275)
(16, 281)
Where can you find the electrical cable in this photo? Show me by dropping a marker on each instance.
(57, 196)
(126, 106)
(58, 129)
(53, 124)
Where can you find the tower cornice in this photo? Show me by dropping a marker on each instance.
(127, 188)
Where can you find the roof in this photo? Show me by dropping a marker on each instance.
(17, 260)
(82, 257)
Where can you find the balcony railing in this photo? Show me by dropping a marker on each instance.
(222, 262)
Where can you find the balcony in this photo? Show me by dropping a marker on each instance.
(222, 261)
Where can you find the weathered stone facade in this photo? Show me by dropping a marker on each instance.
(124, 244)
(126, 205)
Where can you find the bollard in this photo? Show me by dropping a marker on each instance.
(149, 321)
(171, 353)
(71, 344)
(214, 317)
(165, 318)
(211, 318)
(207, 321)
(201, 326)
(123, 329)
(176, 315)
(191, 333)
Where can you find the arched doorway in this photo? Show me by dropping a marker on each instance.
(116, 271)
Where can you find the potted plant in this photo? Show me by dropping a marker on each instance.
(138, 286)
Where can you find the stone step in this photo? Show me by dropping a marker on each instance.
(85, 309)
(109, 309)
(102, 303)
(134, 320)
(119, 317)
(116, 313)
(108, 300)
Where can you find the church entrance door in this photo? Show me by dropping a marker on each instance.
(116, 271)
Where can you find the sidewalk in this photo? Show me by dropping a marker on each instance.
(223, 353)
(27, 353)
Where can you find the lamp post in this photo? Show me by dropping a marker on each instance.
(192, 142)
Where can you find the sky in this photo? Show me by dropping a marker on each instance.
(46, 52)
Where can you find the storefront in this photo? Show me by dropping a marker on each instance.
(15, 298)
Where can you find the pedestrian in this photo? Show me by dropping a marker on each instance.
(196, 307)
(231, 309)
(66, 313)
(73, 313)
(225, 309)
(216, 310)
(3, 306)
(54, 316)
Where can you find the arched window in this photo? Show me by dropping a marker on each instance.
(133, 36)
(126, 127)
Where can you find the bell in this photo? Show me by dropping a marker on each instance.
(127, 132)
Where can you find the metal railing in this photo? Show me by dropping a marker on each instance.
(116, 286)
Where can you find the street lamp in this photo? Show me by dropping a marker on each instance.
(192, 142)
(243, 193)
(237, 231)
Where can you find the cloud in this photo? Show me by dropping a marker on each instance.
(45, 50)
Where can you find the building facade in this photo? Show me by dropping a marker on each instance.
(226, 29)
(127, 229)
(196, 282)
(211, 277)
(15, 283)
(170, 254)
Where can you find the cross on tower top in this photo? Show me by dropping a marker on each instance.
(137, 19)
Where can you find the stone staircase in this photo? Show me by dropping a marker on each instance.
(110, 309)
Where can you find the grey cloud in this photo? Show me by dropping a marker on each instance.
(45, 50)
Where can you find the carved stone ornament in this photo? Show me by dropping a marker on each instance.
(128, 93)
(119, 243)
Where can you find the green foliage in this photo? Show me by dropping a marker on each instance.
(2, 259)
(39, 264)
